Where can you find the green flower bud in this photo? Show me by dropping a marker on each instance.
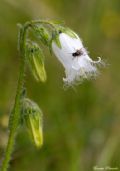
(42, 34)
(35, 60)
(33, 117)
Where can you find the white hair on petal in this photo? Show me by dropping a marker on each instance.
(74, 57)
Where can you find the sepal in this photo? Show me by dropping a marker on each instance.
(60, 29)
(55, 38)
(71, 33)
(67, 31)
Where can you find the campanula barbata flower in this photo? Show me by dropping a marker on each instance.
(69, 49)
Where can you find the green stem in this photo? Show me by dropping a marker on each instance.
(16, 108)
(30, 23)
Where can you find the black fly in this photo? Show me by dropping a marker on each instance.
(77, 53)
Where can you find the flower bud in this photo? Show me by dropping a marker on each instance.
(73, 56)
(32, 115)
(42, 34)
(35, 60)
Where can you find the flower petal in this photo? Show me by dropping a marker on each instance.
(74, 57)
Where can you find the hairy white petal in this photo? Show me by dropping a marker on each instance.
(77, 67)
(69, 44)
(64, 58)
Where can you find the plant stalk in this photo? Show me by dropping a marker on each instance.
(16, 108)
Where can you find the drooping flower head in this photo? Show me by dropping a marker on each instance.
(69, 49)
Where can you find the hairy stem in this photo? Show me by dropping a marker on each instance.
(16, 108)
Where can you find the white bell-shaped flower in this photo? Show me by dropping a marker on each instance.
(74, 57)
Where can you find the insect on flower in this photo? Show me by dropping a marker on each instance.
(77, 53)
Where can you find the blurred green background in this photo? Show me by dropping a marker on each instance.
(81, 125)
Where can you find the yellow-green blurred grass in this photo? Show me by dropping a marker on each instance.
(79, 125)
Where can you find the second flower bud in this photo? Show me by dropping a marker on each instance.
(35, 60)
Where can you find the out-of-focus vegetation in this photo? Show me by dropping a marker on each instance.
(81, 125)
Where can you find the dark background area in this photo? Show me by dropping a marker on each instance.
(81, 125)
